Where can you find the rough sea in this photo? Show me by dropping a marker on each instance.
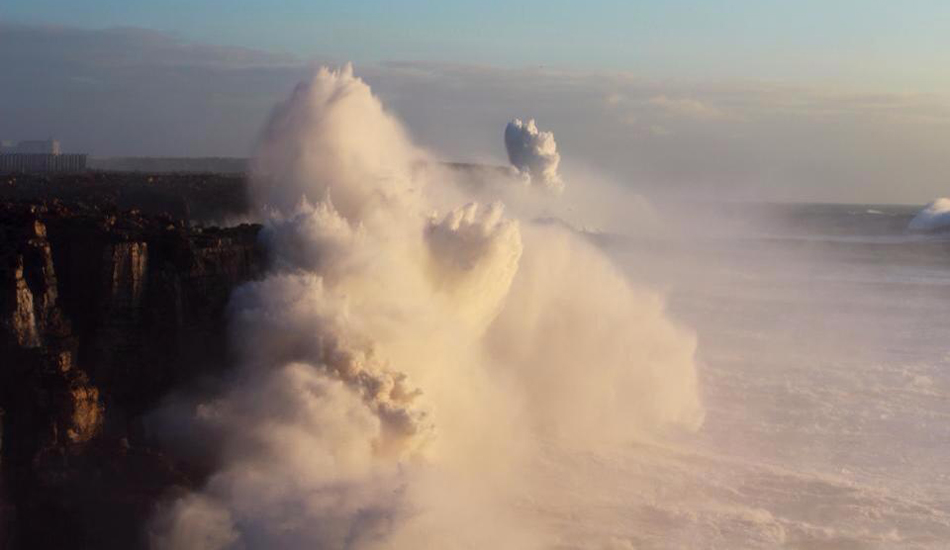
(824, 354)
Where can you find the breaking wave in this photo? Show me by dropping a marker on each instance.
(411, 351)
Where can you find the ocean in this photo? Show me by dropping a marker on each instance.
(823, 344)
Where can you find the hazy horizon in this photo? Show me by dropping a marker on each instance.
(835, 135)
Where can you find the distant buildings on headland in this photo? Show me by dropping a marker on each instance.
(38, 156)
(46, 156)
(32, 147)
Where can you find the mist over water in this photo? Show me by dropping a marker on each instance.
(414, 358)
(822, 344)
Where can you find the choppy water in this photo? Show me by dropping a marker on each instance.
(824, 342)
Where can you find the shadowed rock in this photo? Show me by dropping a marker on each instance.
(103, 311)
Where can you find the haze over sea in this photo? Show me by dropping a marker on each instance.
(822, 339)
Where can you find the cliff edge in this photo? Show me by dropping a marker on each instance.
(103, 311)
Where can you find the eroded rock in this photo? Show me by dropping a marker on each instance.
(102, 313)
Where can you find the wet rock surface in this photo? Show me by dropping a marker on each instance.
(104, 310)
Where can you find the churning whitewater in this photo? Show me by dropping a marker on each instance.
(411, 354)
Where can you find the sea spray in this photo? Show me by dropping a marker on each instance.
(934, 217)
(534, 154)
(403, 360)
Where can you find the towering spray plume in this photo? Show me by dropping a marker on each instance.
(534, 154)
(402, 361)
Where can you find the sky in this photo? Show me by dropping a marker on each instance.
(810, 100)
(849, 42)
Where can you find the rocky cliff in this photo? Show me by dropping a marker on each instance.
(103, 311)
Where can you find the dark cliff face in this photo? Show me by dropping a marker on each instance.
(102, 313)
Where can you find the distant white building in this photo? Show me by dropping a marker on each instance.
(38, 156)
(31, 147)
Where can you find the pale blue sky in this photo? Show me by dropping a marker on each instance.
(880, 44)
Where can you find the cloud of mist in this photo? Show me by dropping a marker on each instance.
(534, 154)
(412, 350)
